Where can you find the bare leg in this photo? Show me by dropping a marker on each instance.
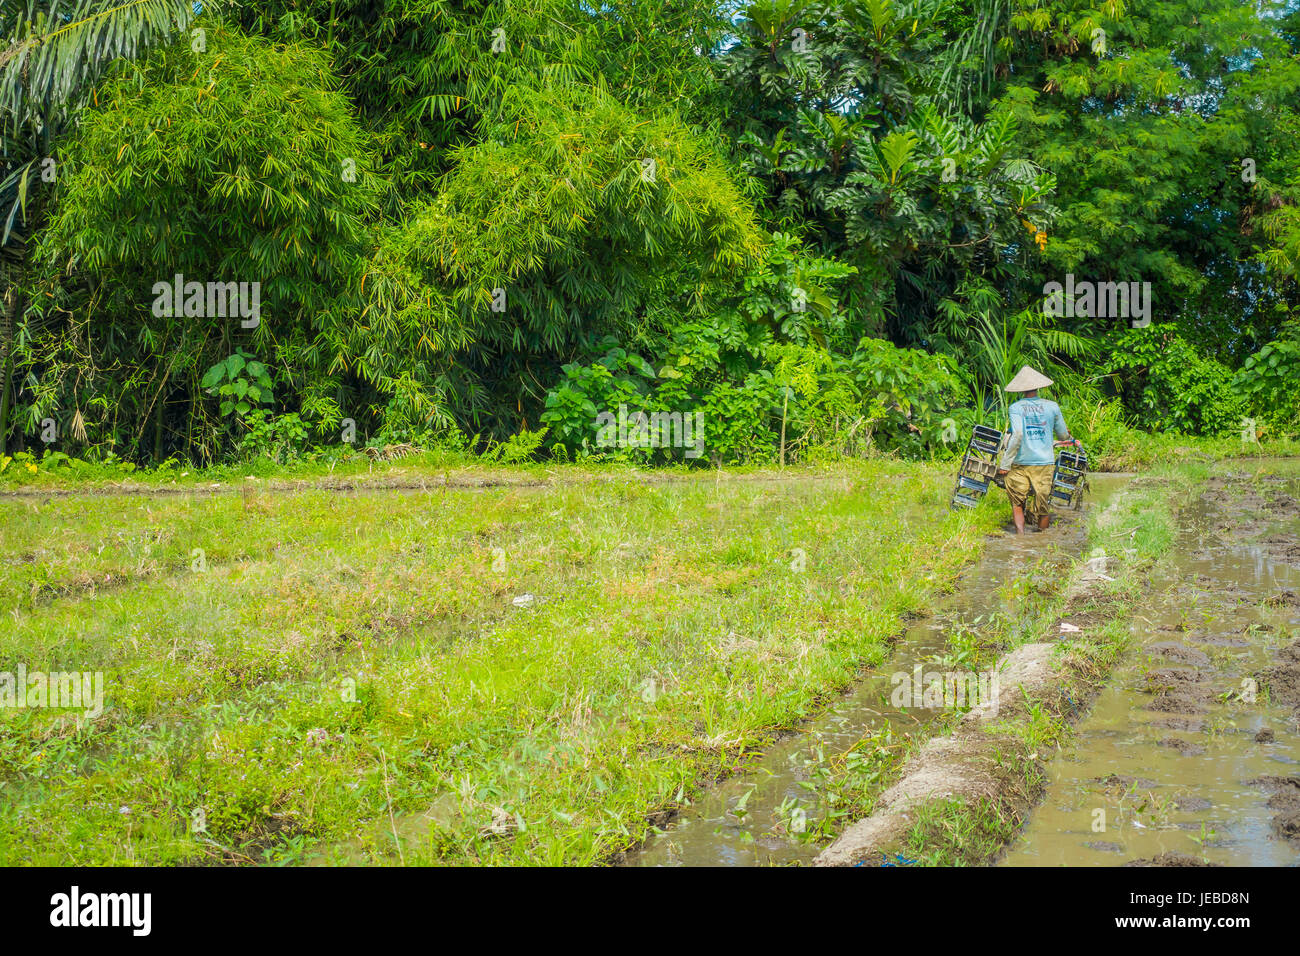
(1044, 522)
(1018, 515)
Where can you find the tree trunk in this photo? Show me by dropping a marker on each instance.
(158, 432)
(785, 404)
(8, 320)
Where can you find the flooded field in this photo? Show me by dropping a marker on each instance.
(763, 815)
(1190, 754)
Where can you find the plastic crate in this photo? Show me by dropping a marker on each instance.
(977, 466)
(1069, 479)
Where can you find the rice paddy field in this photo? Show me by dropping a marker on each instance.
(515, 673)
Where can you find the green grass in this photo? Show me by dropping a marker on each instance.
(348, 663)
(954, 832)
(1113, 448)
(1132, 450)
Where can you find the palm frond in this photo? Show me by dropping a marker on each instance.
(52, 54)
(968, 65)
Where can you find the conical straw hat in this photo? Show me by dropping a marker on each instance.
(1028, 379)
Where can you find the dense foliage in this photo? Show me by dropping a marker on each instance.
(657, 232)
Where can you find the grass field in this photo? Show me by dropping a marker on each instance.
(501, 674)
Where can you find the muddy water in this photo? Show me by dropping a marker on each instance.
(1172, 771)
(740, 823)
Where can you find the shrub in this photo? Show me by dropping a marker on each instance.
(1269, 382)
(1169, 385)
(916, 392)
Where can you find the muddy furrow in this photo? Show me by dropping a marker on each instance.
(1190, 755)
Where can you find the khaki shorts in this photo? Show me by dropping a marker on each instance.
(1021, 479)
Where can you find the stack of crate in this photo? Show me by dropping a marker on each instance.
(979, 466)
(1068, 479)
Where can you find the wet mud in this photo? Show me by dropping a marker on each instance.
(1190, 755)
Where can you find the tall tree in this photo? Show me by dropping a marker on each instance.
(1145, 113)
(852, 114)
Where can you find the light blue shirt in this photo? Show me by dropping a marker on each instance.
(1035, 424)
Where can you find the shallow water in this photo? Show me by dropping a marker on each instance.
(1183, 788)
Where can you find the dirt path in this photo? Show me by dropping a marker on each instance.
(406, 480)
(1190, 755)
(411, 479)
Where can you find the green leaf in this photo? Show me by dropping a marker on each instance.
(897, 148)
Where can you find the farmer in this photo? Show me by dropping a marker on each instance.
(1028, 459)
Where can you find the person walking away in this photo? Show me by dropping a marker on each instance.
(1029, 458)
